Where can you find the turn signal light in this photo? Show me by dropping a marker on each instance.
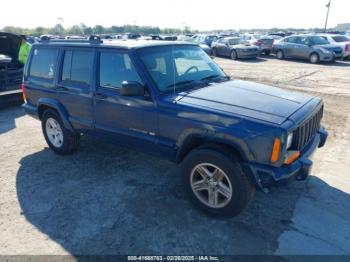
(292, 157)
(276, 150)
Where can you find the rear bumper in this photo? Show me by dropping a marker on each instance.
(300, 169)
(30, 110)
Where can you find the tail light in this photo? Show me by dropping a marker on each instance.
(347, 48)
(23, 93)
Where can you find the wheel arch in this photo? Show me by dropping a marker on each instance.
(225, 143)
(45, 103)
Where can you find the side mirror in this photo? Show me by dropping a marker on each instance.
(132, 88)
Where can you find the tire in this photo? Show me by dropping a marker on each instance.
(61, 140)
(280, 54)
(314, 58)
(234, 183)
(234, 55)
(213, 52)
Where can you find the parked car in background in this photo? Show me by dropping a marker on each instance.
(185, 38)
(130, 36)
(206, 39)
(170, 99)
(168, 37)
(11, 70)
(235, 48)
(339, 40)
(310, 47)
(264, 43)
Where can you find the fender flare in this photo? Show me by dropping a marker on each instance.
(54, 104)
(212, 137)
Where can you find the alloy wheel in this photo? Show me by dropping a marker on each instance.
(54, 132)
(211, 185)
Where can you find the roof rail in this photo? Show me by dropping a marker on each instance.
(91, 39)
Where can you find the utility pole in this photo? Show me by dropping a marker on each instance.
(328, 7)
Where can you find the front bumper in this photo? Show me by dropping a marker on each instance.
(300, 169)
(330, 57)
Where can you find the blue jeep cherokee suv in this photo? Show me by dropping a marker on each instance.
(171, 99)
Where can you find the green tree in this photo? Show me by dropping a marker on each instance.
(75, 30)
(98, 29)
(13, 29)
(57, 30)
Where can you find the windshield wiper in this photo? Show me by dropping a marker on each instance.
(212, 77)
(181, 83)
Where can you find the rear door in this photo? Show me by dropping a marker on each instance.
(74, 85)
(132, 120)
(224, 48)
(289, 46)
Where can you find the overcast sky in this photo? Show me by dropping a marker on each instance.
(201, 15)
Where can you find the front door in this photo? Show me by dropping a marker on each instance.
(131, 120)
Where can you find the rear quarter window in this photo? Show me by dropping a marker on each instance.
(43, 64)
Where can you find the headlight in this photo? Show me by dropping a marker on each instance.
(289, 141)
(325, 50)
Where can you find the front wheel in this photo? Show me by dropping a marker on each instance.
(61, 140)
(314, 58)
(215, 183)
(234, 55)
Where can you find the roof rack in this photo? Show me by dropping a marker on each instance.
(95, 39)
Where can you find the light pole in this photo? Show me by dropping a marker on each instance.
(328, 7)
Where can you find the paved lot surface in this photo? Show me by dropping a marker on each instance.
(110, 200)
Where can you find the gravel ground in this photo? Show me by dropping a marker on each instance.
(110, 200)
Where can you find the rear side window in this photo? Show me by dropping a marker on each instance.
(43, 63)
(77, 66)
(340, 39)
(116, 68)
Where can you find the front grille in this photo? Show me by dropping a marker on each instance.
(306, 131)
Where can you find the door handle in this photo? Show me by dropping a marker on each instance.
(100, 95)
(61, 88)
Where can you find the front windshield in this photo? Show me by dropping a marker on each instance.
(179, 67)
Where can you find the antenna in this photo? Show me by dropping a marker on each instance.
(174, 87)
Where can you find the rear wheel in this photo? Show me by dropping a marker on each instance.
(314, 58)
(61, 140)
(280, 54)
(215, 183)
(234, 55)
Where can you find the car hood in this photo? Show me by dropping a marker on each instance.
(9, 44)
(248, 99)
